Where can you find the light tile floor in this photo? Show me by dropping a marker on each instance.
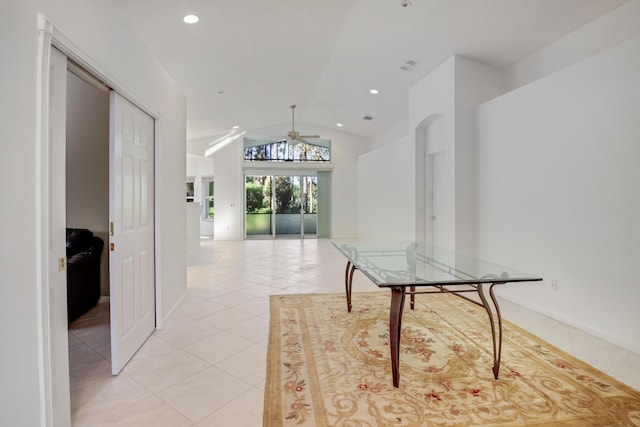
(207, 366)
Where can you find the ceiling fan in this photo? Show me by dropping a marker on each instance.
(294, 137)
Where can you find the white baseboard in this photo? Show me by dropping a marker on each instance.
(625, 344)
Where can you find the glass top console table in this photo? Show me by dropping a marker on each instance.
(418, 268)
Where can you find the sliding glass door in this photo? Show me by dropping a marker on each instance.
(287, 206)
(281, 206)
(310, 206)
(258, 210)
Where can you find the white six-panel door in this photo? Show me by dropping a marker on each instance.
(131, 240)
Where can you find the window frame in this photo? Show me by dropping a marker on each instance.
(313, 151)
(206, 197)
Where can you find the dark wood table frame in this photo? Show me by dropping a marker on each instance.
(483, 287)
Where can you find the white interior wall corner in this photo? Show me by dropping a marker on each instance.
(555, 161)
(615, 27)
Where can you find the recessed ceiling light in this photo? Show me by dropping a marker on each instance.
(374, 91)
(236, 127)
(339, 125)
(190, 19)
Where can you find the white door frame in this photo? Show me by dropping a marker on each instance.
(432, 193)
(48, 36)
(425, 146)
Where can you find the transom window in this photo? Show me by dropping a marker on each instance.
(315, 150)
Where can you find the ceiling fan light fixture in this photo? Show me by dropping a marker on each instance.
(293, 142)
(293, 136)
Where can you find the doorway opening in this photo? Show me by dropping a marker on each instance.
(430, 195)
(87, 212)
(88, 205)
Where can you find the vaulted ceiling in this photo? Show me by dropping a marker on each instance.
(246, 61)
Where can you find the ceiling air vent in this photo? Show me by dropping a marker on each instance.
(367, 118)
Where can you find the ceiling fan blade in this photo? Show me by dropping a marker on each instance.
(309, 136)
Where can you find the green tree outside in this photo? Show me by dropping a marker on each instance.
(254, 197)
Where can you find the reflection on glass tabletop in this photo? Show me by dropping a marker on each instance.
(419, 263)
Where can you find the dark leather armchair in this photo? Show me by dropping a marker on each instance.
(83, 271)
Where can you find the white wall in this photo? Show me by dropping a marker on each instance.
(385, 192)
(451, 92)
(105, 38)
(615, 27)
(474, 84)
(87, 156)
(393, 176)
(390, 135)
(229, 192)
(345, 148)
(557, 191)
(193, 226)
(200, 167)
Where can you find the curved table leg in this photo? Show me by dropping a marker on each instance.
(413, 297)
(496, 333)
(348, 282)
(395, 329)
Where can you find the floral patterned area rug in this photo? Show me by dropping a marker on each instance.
(327, 367)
